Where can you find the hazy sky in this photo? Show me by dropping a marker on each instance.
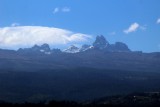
(64, 22)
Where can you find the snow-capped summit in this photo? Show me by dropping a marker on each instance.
(85, 47)
(100, 42)
(72, 49)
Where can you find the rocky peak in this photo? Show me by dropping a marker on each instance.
(35, 48)
(121, 46)
(45, 47)
(118, 47)
(100, 42)
(72, 49)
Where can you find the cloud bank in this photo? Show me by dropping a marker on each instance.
(25, 36)
(133, 27)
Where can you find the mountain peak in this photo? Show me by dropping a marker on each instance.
(72, 49)
(45, 47)
(118, 47)
(100, 42)
(35, 48)
(122, 46)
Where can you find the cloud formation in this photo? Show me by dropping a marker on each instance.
(64, 9)
(55, 10)
(158, 21)
(133, 27)
(26, 36)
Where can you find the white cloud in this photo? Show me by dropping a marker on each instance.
(133, 27)
(64, 9)
(55, 10)
(158, 21)
(26, 36)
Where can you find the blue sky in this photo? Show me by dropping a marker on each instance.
(134, 22)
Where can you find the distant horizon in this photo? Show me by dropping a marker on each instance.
(63, 47)
(66, 22)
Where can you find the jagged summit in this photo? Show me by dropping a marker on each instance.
(72, 49)
(118, 47)
(34, 48)
(121, 46)
(45, 47)
(100, 42)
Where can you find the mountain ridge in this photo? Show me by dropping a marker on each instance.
(100, 55)
(99, 44)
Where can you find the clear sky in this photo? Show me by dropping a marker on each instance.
(134, 22)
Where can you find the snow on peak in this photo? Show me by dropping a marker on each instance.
(72, 49)
(85, 47)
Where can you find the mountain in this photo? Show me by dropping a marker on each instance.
(85, 47)
(80, 74)
(44, 48)
(101, 55)
(72, 49)
(118, 47)
(100, 43)
(56, 51)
